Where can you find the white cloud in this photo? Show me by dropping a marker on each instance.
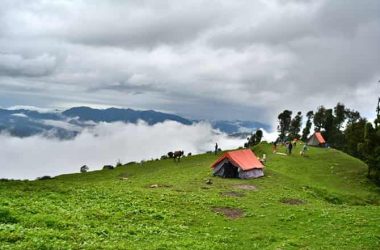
(105, 143)
(63, 124)
(32, 108)
(16, 65)
(20, 115)
(269, 136)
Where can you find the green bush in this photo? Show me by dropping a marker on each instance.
(6, 217)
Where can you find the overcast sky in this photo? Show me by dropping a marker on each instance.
(201, 59)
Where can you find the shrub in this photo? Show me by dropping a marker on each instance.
(131, 163)
(45, 177)
(6, 217)
(108, 167)
(84, 169)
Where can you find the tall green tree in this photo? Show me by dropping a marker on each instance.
(295, 126)
(352, 116)
(328, 126)
(306, 130)
(339, 115)
(319, 118)
(370, 149)
(284, 120)
(259, 135)
(354, 135)
(336, 135)
(254, 139)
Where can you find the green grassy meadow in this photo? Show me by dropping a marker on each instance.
(321, 201)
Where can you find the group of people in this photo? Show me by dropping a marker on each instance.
(289, 147)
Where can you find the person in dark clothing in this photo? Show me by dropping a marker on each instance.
(274, 147)
(216, 148)
(290, 147)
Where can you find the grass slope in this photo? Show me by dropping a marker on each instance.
(99, 210)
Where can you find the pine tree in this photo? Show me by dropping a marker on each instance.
(306, 130)
(284, 120)
(319, 118)
(254, 139)
(354, 135)
(370, 149)
(295, 127)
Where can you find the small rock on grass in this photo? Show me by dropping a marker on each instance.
(208, 181)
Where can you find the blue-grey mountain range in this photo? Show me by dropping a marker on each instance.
(69, 123)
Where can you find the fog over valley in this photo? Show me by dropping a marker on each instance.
(106, 143)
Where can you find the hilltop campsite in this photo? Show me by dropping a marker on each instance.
(263, 196)
(322, 201)
(200, 125)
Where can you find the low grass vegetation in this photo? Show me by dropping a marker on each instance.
(321, 201)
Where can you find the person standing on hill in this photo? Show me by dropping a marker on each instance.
(290, 147)
(286, 144)
(304, 149)
(274, 147)
(216, 148)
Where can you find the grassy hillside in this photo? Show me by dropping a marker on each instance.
(322, 201)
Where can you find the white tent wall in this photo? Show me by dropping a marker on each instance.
(249, 174)
(313, 141)
(218, 170)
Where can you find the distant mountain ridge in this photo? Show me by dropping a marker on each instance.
(69, 123)
(125, 115)
(238, 126)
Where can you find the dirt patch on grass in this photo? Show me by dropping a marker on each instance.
(229, 212)
(292, 201)
(159, 186)
(232, 194)
(124, 176)
(246, 187)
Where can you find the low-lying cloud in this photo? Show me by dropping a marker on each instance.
(105, 143)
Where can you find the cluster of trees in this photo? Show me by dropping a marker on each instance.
(342, 128)
(289, 128)
(369, 148)
(254, 139)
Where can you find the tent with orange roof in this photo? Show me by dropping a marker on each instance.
(238, 164)
(316, 140)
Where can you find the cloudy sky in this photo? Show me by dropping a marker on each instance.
(201, 59)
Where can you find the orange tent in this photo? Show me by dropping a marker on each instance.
(320, 137)
(240, 163)
(316, 140)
